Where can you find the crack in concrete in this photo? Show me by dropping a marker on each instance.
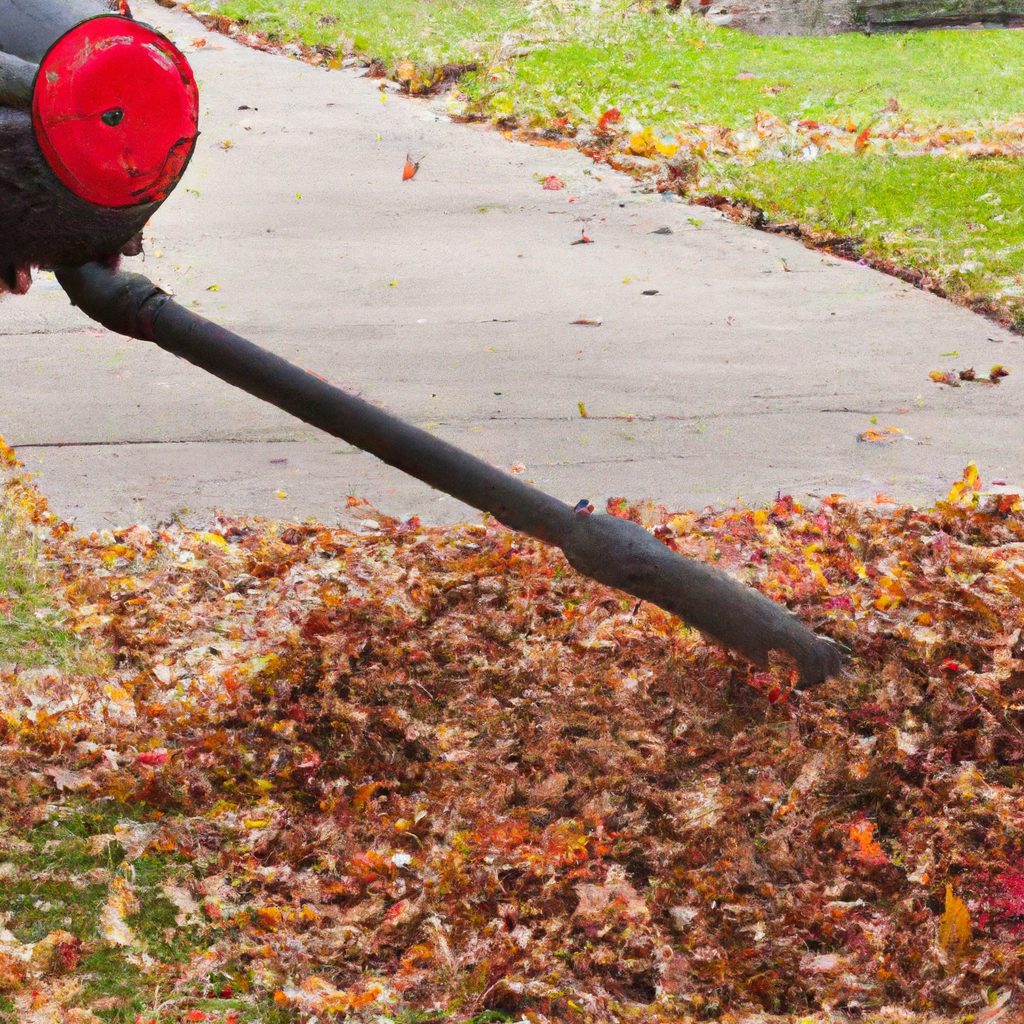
(135, 442)
(567, 418)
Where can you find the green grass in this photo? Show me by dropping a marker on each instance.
(957, 220)
(667, 71)
(60, 883)
(31, 630)
(663, 69)
(436, 32)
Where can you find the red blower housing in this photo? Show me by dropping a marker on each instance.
(98, 120)
(115, 110)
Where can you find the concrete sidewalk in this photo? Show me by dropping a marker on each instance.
(450, 301)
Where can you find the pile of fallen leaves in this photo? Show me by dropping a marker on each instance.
(434, 769)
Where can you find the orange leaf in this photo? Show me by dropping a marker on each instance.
(861, 142)
(410, 169)
(955, 923)
(866, 848)
(362, 796)
(611, 116)
(884, 436)
(268, 918)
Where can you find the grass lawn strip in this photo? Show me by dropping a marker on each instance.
(784, 123)
(31, 630)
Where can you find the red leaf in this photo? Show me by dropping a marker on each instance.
(154, 758)
(609, 117)
(553, 183)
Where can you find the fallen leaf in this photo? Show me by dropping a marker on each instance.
(552, 183)
(121, 903)
(887, 435)
(611, 116)
(955, 924)
(966, 490)
(410, 169)
(647, 144)
(134, 837)
(822, 963)
(601, 905)
(69, 780)
(865, 847)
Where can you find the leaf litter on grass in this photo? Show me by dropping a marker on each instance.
(413, 768)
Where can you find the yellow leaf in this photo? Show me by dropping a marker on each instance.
(955, 923)
(965, 491)
(121, 903)
(646, 143)
(212, 538)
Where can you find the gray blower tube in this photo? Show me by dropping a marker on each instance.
(28, 28)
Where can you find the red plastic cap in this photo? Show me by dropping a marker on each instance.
(116, 112)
